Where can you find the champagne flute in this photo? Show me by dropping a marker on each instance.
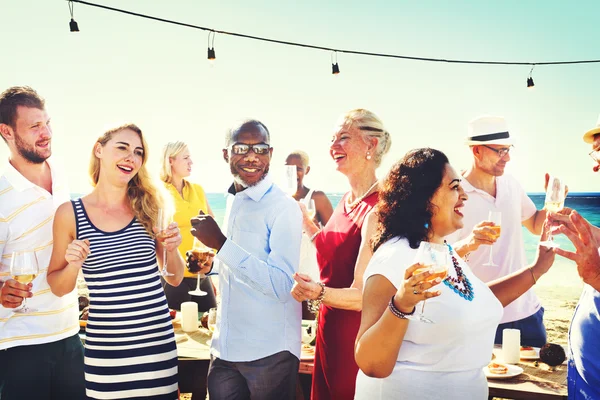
(311, 209)
(201, 254)
(290, 182)
(161, 236)
(496, 218)
(555, 201)
(23, 269)
(212, 319)
(435, 257)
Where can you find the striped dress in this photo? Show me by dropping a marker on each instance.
(130, 350)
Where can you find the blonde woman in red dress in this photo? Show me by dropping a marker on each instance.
(343, 252)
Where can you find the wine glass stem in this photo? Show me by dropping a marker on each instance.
(423, 307)
(491, 261)
(198, 284)
(164, 259)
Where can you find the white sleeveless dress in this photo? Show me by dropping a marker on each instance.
(308, 252)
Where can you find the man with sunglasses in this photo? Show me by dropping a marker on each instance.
(255, 348)
(489, 189)
(584, 352)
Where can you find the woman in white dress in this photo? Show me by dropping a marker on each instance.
(402, 358)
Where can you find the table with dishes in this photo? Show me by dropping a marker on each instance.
(529, 379)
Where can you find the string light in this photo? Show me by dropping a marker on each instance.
(211, 49)
(335, 69)
(335, 66)
(73, 24)
(530, 83)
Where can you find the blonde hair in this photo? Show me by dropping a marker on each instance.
(370, 126)
(144, 197)
(171, 150)
(301, 155)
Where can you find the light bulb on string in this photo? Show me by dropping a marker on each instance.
(530, 84)
(211, 49)
(72, 24)
(335, 68)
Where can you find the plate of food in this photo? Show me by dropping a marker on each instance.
(529, 353)
(501, 371)
(308, 352)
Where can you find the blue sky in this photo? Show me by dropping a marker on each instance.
(121, 68)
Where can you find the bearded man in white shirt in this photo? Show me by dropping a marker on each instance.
(41, 356)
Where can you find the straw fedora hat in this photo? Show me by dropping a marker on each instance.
(488, 129)
(589, 135)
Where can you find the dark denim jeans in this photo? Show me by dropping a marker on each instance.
(533, 332)
(50, 371)
(269, 378)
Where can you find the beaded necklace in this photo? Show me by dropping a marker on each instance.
(461, 284)
(350, 206)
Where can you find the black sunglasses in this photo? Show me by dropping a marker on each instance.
(241, 149)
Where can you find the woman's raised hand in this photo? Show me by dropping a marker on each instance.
(415, 288)
(77, 252)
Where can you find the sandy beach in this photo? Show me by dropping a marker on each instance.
(559, 292)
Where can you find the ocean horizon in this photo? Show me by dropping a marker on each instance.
(586, 203)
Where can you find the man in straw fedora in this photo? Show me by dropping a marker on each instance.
(584, 352)
(490, 189)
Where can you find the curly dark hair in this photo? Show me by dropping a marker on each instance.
(404, 208)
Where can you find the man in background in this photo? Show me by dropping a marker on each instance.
(255, 348)
(489, 189)
(41, 356)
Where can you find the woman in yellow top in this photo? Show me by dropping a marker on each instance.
(188, 198)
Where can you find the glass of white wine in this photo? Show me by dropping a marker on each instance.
(555, 201)
(290, 179)
(23, 269)
(201, 254)
(496, 218)
(162, 225)
(432, 256)
(212, 319)
(311, 210)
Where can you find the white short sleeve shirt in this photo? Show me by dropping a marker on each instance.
(509, 250)
(462, 336)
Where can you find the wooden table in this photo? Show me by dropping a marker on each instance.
(535, 383)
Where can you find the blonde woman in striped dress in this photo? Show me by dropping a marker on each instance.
(130, 349)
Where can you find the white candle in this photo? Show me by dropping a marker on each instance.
(189, 316)
(511, 345)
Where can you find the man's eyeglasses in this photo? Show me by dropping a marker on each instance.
(595, 154)
(501, 152)
(258, 149)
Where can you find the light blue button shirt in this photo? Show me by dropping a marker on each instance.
(258, 316)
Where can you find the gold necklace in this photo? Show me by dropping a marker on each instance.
(352, 205)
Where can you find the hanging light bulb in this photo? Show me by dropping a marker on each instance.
(335, 68)
(73, 24)
(211, 48)
(530, 83)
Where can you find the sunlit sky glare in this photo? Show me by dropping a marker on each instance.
(121, 68)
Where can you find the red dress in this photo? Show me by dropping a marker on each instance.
(334, 374)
